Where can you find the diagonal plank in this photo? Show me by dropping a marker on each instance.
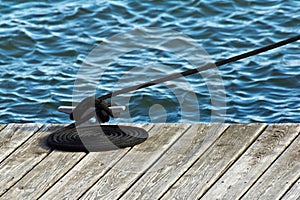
(278, 179)
(253, 163)
(175, 161)
(45, 174)
(294, 192)
(88, 171)
(215, 161)
(2, 126)
(115, 182)
(13, 135)
(23, 159)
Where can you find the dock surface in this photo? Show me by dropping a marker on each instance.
(177, 161)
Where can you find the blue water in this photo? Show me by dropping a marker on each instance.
(43, 47)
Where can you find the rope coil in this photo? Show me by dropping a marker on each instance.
(96, 138)
(123, 136)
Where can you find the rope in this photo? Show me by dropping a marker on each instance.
(108, 137)
(199, 69)
(101, 110)
(95, 138)
(103, 113)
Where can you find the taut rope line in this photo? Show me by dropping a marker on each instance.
(203, 68)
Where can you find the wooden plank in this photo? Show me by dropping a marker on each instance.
(215, 161)
(294, 192)
(253, 163)
(23, 159)
(280, 176)
(44, 175)
(88, 171)
(116, 181)
(13, 135)
(175, 161)
(2, 126)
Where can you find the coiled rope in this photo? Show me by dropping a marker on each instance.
(95, 138)
(120, 136)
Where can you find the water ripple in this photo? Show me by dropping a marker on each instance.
(42, 47)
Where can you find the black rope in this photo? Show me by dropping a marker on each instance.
(101, 108)
(199, 69)
(95, 138)
(116, 136)
(102, 112)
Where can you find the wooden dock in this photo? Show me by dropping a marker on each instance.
(177, 161)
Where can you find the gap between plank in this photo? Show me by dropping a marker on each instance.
(291, 186)
(61, 176)
(230, 165)
(188, 168)
(2, 126)
(155, 161)
(104, 173)
(270, 167)
(16, 148)
(65, 174)
(25, 174)
(109, 168)
(15, 151)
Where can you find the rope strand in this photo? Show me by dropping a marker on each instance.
(202, 68)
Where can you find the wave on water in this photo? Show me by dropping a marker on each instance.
(43, 46)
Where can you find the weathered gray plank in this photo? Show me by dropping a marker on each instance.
(253, 163)
(136, 162)
(215, 161)
(23, 159)
(88, 171)
(278, 179)
(13, 135)
(28, 175)
(293, 193)
(175, 161)
(44, 175)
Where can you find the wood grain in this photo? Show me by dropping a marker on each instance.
(88, 171)
(116, 181)
(253, 163)
(278, 179)
(44, 175)
(175, 161)
(294, 192)
(214, 162)
(23, 159)
(13, 135)
(2, 126)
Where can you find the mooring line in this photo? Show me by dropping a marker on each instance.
(202, 68)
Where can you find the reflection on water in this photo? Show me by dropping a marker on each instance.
(42, 46)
